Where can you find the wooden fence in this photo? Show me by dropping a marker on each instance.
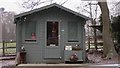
(8, 48)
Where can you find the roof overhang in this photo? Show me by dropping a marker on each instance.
(49, 6)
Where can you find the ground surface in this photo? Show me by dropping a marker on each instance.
(94, 58)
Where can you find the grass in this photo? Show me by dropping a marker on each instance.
(92, 46)
(8, 50)
(1, 45)
(1, 51)
(11, 44)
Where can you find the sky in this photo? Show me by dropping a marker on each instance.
(11, 5)
(15, 5)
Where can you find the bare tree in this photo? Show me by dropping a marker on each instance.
(64, 2)
(31, 4)
(108, 46)
(8, 27)
(93, 15)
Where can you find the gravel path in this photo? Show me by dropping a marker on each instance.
(95, 57)
(7, 64)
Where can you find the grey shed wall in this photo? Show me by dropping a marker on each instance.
(36, 51)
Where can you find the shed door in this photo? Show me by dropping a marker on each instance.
(52, 49)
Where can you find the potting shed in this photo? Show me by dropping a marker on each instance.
(51, 34)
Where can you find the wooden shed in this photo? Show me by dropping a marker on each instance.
(51, 34)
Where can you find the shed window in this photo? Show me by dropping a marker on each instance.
(72, 32)
(30, 32)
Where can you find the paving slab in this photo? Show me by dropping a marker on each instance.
(67, 66)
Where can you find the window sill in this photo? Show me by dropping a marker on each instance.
(30, 42)
(72, 42)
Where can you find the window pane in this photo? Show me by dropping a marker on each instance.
(72, 32)
(52, 33)
(30, 32)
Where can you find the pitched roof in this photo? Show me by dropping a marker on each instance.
(49, 6)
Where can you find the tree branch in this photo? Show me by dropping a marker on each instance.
(64, 2)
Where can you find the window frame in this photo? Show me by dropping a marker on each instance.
(77, 27)
(26, 29)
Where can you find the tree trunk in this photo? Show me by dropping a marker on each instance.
(95, 36)
(108, 46)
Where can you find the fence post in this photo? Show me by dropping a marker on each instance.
(3, 48)
(6, 46)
